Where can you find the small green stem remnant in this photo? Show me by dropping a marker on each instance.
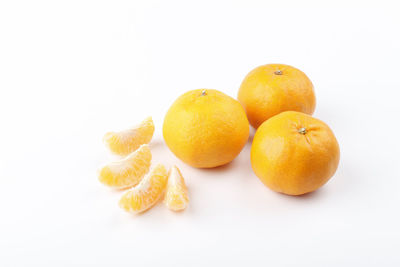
(302, 131)
(278, 72)
(203, 92)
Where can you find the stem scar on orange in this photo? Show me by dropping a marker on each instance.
(273, 88)
(294, 153)
(206, 128)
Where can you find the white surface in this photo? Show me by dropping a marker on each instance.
(72, 70)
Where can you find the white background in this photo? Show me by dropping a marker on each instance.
(72, 70)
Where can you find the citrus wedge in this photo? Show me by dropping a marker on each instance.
(127, 141)
(129, 171)
(176, 196)
(147, 192)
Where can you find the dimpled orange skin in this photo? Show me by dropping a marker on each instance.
(294, 153)
(206, 128)
(273, 88)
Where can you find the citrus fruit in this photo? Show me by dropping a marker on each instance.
(271, 89)
(129, 171)
(147, 192)
(176, 195)
(294, 153)
(127, 141)
(206, 128)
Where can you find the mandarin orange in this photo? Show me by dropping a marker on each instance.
(206, 128)
(273, 88)
(294, 153)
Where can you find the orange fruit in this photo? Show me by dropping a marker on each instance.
(147, 192)
(129, 171)
(176, 195)
(206, 128)
(127, 141)
(271, 89)
(294, 153)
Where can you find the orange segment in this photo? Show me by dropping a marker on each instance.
(129, 171)
(147, 192)
(125, 142)
(176, 196)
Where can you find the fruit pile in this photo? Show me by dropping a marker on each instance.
(292, 152)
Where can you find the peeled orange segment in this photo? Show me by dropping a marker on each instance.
(129, 171)
(125, 142)
(176, 196)
(147, 192)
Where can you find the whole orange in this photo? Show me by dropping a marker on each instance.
(206, 128)
(271, 89)
(294, 153)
